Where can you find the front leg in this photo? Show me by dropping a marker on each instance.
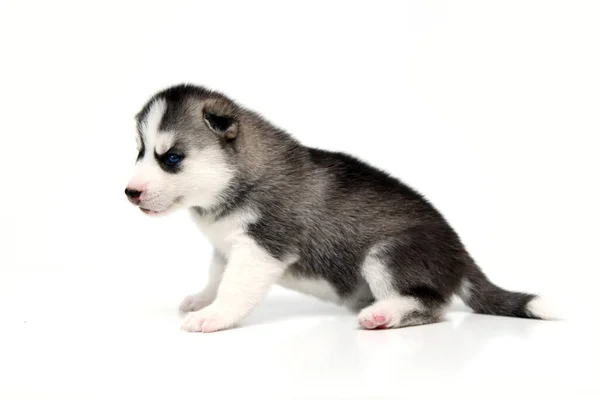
(202, 299)
(249, 273)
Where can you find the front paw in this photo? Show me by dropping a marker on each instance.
(210, 319)
(194, 302)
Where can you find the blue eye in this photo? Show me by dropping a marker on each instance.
(173, 159)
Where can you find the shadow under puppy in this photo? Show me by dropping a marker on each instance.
(319, 222)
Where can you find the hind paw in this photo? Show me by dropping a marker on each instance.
(373, 321)
(388, 313)
(376, 317)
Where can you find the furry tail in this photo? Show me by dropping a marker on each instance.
(486, 298)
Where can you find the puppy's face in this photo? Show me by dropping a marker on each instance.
(182, 155)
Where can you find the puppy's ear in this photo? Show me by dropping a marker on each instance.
(220, 117)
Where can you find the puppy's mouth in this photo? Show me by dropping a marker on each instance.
(151, 212)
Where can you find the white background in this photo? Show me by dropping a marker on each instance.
(488, 108)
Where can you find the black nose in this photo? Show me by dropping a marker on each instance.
(134, 195)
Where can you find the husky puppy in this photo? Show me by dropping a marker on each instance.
(318, 222)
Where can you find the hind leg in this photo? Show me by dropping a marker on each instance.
(396, 312)
(401, 298)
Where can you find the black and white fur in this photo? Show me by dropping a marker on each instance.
(322, 223)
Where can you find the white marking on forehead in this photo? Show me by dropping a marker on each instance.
(155, 139)
(164, 141)
(151, 122)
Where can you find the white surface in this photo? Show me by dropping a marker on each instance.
(77, 335)
(489, 108)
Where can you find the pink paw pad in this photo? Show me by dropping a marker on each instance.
(374, 321)
(209, 326)
(366, 324)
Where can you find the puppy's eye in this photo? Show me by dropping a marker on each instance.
(172, 159)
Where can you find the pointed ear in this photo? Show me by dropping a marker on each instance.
(221, 120)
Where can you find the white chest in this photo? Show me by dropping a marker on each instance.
(223, 232)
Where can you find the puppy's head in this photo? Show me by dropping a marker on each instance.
(185, 140)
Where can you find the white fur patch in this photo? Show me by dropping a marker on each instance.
(465, 290)
(249, 273)
(318, 288)
(204, 177)
(154, 138)
(542, 308)
(377, 276)
(225, 231)
(151, 122)
(163, 142)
